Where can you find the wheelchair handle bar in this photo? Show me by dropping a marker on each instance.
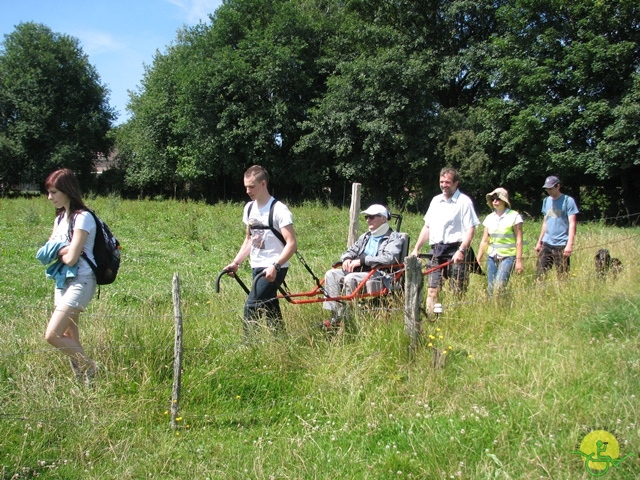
(240, 282)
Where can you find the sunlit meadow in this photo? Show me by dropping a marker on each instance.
(526, 375)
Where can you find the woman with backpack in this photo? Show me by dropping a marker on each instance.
(74, 232)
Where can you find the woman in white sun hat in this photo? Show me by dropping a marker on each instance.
(502, 240)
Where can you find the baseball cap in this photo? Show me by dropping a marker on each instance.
(376, 209)
(551, 182)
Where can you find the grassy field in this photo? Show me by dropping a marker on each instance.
(526, 379)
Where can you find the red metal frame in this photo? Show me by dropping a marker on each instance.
(317, 295)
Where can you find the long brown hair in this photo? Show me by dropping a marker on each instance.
(66, 182)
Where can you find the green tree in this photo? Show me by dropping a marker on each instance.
(147, 145)
(325, 92)
(53, 109)
(398, 103)
(371, 123)
(374, 120)
(224, 96)
(565, 97)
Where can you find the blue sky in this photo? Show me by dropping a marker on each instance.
(119, 36)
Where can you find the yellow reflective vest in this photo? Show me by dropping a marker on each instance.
(502, 240)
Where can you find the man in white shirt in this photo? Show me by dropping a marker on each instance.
(270, 242)
(449, 225)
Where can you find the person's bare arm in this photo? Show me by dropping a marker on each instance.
(518, 231)
(243, 253)
(573, 226)
(458, 257)
(71, 253)
(484, 243)
(543, 230)
(422, 239)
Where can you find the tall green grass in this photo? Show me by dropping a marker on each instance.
(527, 377)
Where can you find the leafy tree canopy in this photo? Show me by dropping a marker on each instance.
(53, 109)
(328, 92)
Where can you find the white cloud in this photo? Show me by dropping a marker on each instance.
(95, 42)
(196, 10)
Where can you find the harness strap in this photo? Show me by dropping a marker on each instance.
(280, 237)
(270, 225)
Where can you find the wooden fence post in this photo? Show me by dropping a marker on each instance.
(413, 285)
(177, 355)
(354, 212)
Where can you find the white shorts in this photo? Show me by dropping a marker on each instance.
(77, 292)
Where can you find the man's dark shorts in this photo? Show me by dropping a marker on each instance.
(551, 256)
(458, 274)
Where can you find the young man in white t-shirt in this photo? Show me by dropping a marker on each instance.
(270, 242)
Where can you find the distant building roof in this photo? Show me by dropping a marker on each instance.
(105, 163)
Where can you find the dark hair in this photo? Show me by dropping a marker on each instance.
(260, 173)
(449, 170)
(65, 181)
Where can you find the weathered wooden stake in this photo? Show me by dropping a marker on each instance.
(439, 357)
(354, 213)
(413, 284)
(177, 355)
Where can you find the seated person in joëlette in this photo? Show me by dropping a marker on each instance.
(380, 245)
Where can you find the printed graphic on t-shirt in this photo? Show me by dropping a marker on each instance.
(257, 233)
(554, 212)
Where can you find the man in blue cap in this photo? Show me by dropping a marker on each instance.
(558, 232)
